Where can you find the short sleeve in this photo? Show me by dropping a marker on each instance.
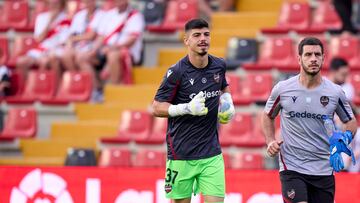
(343, 109)
(169, 85)
(273, 106)
(41, 21)
(96, 21)
(135, 25)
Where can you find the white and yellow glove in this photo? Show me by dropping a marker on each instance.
(226, 108)
(195, 107)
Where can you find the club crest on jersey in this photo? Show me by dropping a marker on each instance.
(324, 100)
(168, 188)
(291, 194)
(169, 73)
(217, 78)
(191, 81)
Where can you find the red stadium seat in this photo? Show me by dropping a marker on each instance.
(276, 53)
(227, 159)
(293, 16)
(149, 158)
(248, 161)
(158, 132)
(22, 44)
(237, 131)
(133, 125)
(15, 15)
(355, 81)
(74, 87)
(263, 83)
(257, 139)
(234, 83)
(20, 123)
(4, 46)
(178, 12)
(325, 18)
(40, 85)
(348, 48)
(115, 157)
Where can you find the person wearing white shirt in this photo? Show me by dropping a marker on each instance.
(84, 28)
(51, 29)
(120, 29)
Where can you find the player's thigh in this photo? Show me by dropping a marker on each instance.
(322, 190)
(179, 179)
(293, 187)
(186, 200)
(211, 181)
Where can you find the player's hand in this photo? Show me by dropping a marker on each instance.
(339, 142)
(196, 106)
(226, 108)
(273, 148)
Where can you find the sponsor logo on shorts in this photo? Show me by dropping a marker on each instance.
(305, 114)
(291, 194)
(168, 188)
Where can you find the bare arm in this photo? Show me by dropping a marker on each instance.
(268, 126)
(351, 126)
(160, 109)
(86, 36)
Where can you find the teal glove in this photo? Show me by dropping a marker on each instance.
(226, 108)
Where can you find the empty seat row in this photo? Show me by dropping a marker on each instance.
(281, 52)
(298, 16)
(42, 86)
(142, 128)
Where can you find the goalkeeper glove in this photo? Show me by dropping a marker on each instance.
(226, 110)
(195, 107)
(339, 142)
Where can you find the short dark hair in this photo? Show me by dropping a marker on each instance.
(196, 24)
(337, 63)
(309, 41)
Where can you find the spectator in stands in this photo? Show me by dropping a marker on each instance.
(4, 76)
(339, 72)
(83, 30)
(51, 30)
(207, 7)
(121, 30)
(344, 10)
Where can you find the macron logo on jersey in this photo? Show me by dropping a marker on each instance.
(169, 73)
(306, 114)
(207, 94)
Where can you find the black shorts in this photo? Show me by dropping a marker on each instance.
(297, 187)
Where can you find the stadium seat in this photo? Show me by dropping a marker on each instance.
(15, 15)
(234, 82)
(149, 158)
(346, 47)
(178, 12)
(80, 157)
(20, 123)
(40, 85)
(237, 131)
(22, 44)
(355, 81)
(239, 51)
(4, 46)
(158, 132)
(256, 87)
(248, 160)
(277, 53)
(325, 18)
(17, 83)
(257, 139)
(114, 157)
(74, 87)
(227, 159)
(293, 16)
(133, 125)
(154, 12)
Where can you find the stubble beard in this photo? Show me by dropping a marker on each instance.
(309, 72)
